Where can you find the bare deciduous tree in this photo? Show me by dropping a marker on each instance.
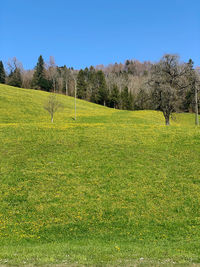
(13, 64)
(52, 71)
(15, 69)
(168, 81)
(65, 73)
(27, 76)
(52, 105)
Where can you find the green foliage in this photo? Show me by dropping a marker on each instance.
(130, 67)
(91, 85)
(101, 87)
(81, 85)
(188, 103)
(115, 99)
(113, 188)
(2, 73)
(127, 99)
(15, 78)
(39, 79)
(142, 100)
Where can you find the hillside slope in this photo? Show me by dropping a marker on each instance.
(110, 188)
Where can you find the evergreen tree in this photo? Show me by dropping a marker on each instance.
(2, 73)
(131, 101)
(91, 84)
(39, 80)
(188, 99)
(81, 85)
(15, 78)
(193, 80)
(102, 88)
(88, 87)
(94, 86)
(115, 97)
(142, 100)
(127, 100)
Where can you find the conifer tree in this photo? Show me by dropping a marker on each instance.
(39, 80)
(81, 85)
(115, 97)
(193, 80)
(126, 99)
(2, 73)
(102, 88)
(15, 78)
(94, 86)
(91, 84)
(142, 99)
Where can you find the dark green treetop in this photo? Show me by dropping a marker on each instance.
(15, 78)
(39, 78)
(81, 85)
(115, 97)
(2, 73)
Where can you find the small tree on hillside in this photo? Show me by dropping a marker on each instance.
(52, 105)
(2, 73)
(15, 78)
(15, 70)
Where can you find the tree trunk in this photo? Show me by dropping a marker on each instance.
(196, 108)
(54, 85)
(75, 99)
(52, 118)
(66, 87)
(166, 119)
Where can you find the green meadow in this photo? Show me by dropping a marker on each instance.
(113, 188)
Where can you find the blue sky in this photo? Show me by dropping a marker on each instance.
(83, 33)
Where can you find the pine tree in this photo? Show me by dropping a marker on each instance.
(115, 97)
(2, 73)
(142, 99)
(91, 84)
(81, 85)
(39, 80)
(15, 78)
(126, 99)
(102, 88)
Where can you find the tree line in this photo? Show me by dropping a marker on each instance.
(168, 85)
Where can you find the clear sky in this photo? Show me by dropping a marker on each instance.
(89, 32)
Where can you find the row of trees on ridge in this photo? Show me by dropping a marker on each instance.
(168, 85)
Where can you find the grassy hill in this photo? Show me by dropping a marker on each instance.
(111, 188)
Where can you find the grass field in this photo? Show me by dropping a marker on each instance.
(113, 188)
